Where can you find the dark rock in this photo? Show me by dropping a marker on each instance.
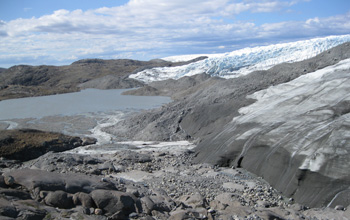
(59, 199)
(112, 202)
(7, 209)
(27, 144)
(31, 210)
(13, 193)
(162, 203)
(2, 182)
(83, 199)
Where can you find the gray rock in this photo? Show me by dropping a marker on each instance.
(9, 180)
(13, 193)
(147, 205)
(7, 209)
(50, 181)
(83, 199)
(112, 202)
(59, 199)
(162, 203)
(195, 201)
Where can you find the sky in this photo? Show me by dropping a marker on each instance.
(52, 32)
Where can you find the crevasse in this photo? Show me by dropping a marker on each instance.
(243, 61)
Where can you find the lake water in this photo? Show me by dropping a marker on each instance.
(84, 113)
(86, 101)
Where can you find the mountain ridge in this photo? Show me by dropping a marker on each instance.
(25, 80)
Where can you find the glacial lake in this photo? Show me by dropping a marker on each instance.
(85, 101)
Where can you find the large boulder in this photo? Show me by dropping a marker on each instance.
(115, 202)
(59, 199)
(48, 181)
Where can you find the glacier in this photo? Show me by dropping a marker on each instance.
(310, 103)
(294, 135)
(243, 61)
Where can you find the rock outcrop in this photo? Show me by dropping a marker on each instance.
(28, 144)
(168, 186)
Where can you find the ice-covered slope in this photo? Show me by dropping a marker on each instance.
(296, 136)
(241, 62)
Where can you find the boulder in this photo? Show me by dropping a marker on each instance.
(112, 202)
(49, 181)
(14, 193)
(9, 180)
(228, 203)
(7, 208)
(31, 210)
(83, 199)
(147, 205)
(59, 199)
(195, 201)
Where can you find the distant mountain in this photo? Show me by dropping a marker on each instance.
(2, 70)
(244, 61)
(24, 80)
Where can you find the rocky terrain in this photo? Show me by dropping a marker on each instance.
(272, 144)
(25, 81)
(143, 184)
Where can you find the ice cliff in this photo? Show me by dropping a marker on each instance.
(243, 61)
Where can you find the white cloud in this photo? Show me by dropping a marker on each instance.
(146, 28)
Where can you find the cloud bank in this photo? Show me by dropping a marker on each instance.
(146, 29)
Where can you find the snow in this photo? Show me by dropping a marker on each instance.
(243, 61)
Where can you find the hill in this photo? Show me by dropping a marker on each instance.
(24, 80)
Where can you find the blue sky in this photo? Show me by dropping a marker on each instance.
(60, 32)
